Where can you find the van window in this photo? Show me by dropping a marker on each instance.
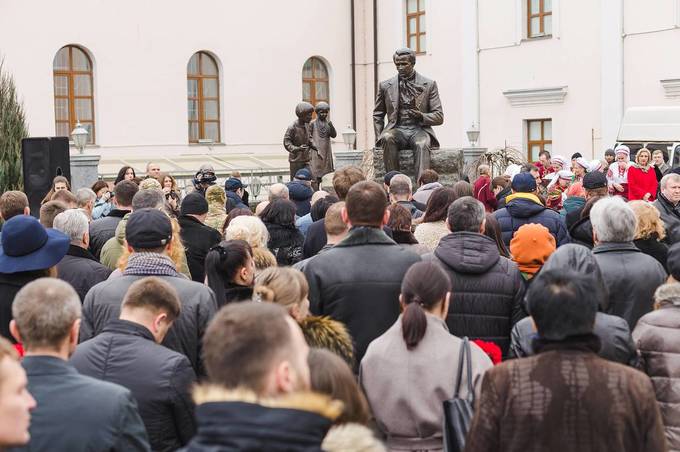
(663, 147)
(676, 157)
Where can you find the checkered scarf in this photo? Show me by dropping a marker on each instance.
(150, 264)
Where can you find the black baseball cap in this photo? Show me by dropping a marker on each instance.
(593, 180)
(148, 228)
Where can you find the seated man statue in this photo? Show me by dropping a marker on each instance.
(411, 103)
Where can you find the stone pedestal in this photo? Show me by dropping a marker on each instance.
(347, 158)
(84, 170)
(470, 157)
(448, 162)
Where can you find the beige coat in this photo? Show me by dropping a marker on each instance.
(405, 389)
(429, 234)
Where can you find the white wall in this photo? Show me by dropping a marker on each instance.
(140, 52)
(141, 49)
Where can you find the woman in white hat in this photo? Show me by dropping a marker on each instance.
(617, 175)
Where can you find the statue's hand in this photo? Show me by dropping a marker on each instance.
(415, 114)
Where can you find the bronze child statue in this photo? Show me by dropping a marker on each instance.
(297, 139)
(322, 130)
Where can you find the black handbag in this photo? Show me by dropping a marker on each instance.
(458, 412)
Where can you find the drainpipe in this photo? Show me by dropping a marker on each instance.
(375, 46)
(354, 78)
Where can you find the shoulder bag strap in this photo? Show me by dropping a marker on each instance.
(470, 386)
(461, 360)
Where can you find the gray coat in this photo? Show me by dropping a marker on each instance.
(103, 301)
(613, 331)
(387, 104)
(631, 278)
(657, 336)
(78, 413)
(406, 388)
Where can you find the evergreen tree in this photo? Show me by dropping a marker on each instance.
(13, 129)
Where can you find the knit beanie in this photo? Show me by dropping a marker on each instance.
(531, 246)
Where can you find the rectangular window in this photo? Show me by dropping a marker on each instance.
(415, 25)
(539, 18)
(539, 137)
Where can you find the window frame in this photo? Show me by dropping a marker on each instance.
(313, 80)
(542, 142)
(541, 19)
(71, 97)
(201, 99)
(420, 11)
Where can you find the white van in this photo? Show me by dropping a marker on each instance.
(653, 128)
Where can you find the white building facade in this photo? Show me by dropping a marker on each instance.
(531, 74)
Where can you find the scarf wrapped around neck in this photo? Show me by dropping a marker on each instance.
(150, 264)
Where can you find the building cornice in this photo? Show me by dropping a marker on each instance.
(536, 96)
(672, 87)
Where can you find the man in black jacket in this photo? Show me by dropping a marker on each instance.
(148, 233)
(488, 289)
(357, 282)
(196, 236)
(74, 412)
(127, 353)
(79, 267)
(257, 399)
(103, 229)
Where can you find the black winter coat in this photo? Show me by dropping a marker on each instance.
(103, 229)
(631, 278)
(80, 269)
(581, 233)
(285, 242)
(102, 305)
(520, 211)
(197, 238)
(10, 284)
(160, 379)
(671, 218)
(488, 290)
(301, 195)
(234, 426)
(357, 282)
(653, 247)
(615, 338)
(77, 413)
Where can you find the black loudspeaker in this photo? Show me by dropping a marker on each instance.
(43, 159)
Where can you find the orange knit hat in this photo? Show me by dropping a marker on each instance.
(531, 246)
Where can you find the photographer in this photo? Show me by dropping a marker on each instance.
(102, 205)
(204, 178)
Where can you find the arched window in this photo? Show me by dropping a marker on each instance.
(203, 93)
(73, 92)
(314, 81)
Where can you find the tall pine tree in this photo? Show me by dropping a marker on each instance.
(13, 129)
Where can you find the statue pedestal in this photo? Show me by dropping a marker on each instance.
(447, 162)
(84, 170)
(470, 155)
(347, 158)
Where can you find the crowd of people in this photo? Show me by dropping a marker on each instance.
(137, 316)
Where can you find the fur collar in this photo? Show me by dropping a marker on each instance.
(304, 401)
